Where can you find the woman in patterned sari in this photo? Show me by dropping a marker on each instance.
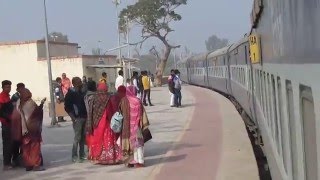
(135, 121)
(101, 140)
(31, 121)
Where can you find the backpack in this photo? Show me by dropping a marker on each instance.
(116, 122)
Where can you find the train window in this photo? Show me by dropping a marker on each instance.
(235, 52)
(290, 105)
(265, 96)
(268, 102)
(246, 54)
(262, 87)
(282, 135)
(275, 114)
(309, 132)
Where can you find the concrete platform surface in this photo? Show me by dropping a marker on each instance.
(205, 139)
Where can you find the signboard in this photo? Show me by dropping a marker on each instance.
(255, 49)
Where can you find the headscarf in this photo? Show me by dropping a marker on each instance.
(25, 95)
(122, 91)
(131, 91)
(102, 87)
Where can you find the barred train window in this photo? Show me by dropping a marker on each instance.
(290, 106)
(309, 132)
(282, 125)
(275, 113)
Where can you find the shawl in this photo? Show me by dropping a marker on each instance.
(33, 123)
(99, 105)
(88, 100)
(126, 144)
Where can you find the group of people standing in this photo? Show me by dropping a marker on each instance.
(143, 84)
(21, 120)
(92, 113)
(92, 110)
(174, 84)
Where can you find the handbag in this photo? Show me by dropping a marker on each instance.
(146, 135)
(116, 122)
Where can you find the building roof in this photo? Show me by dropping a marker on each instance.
(34, 42)
(78, 56)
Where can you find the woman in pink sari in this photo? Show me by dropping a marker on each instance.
(101, 140)
(135, 122)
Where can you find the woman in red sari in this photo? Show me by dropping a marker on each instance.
(31, 122)
(101, 140)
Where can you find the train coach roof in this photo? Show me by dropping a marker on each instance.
(183, 60)
(237, 44)
(198, 57)
(219, 52)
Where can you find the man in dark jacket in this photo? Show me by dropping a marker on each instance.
(76, 108)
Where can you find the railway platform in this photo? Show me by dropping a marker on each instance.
(206, 139)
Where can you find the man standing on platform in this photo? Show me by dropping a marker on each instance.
(66, 84)
(177, 88)
(76, 108)
(146, 88)
(16, 96)
(171, 87)
(16, 126)
(119, 80)
(6, 109)
(59, 96)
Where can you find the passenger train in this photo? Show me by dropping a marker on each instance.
(272, 75)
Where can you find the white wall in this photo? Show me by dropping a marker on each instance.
(18, 63)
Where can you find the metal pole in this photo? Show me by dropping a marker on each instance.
(117, 2)
(129, 54)
(53, 118)
(174, 58)
(118, 30)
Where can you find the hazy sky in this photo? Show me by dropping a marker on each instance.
(88, 21)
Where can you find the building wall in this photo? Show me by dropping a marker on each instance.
(57, 49)
(96, 73)
(21, 63)
(18, 63)
(71, 66)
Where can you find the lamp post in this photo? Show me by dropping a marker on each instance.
(174, 58)
(128, 34)
(53, 113)
(117, 3)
